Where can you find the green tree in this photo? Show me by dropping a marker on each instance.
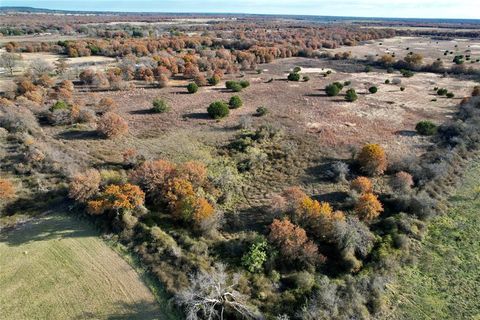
(351, 95)
(256, 256)
(218, 110)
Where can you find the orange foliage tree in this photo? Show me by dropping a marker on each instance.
(7, 190)
(361, 185)
(293, 243)
(111, 125)
(372, 159)
(368, 207)
(118, 198)
(84, 185)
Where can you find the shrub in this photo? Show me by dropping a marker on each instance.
(106, 104)
(450, 95)
(402, 181)
(387, 81)
(218, 110)
(476, 91)
(339, 171)
(236, 87)
(347, 83)
(59, 105)
(7, 190)
(235, 102)
(84, 185)
(294, 76)
(351, 95)
(361, 185)
(407, 73)
(160, 106)
(256, 256)
(442, 92)
(306, 78)
(293, 243)
(192, 87)
(117, 198)
(373, 89)
(261, 111)
(214, 80)
(229, 84)
(372, 159)
(244, 83)
(426, 128)
(297, 69)
(111, 125)
(368, 207)
(332, 90)
(402, 88)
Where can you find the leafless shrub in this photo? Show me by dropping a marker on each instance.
(84, 185)
(338, 171)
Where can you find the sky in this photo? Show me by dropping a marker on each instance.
(459, 9)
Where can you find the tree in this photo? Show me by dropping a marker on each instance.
(117, 198)
(372, 159)
(235, 102)
(294, 76)
(40, 67)
(332, 90)
(414, 59)
(192, 87)
(84, 185)
(402, 181)
(218, 110)
(373, 89)
(9, 61)
(256, 256)
(7, 190)
(213, 295)
(111, 125)
(351, 95)
(106, 104)
(368, 207)
(362, 185)
(160, 106)
(426, 128)
(293, 243)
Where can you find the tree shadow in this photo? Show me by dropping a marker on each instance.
(53, 226)
(336, 198)
(198, 116)
(142, 310)
(79, 135)
(142, 111)
(406, 133)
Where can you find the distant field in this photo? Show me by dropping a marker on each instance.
(58, 268)
(446, 282)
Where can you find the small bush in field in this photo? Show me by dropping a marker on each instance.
(244, 83)
(402, 181)
(450, 95)
(261, 111)
(372, 159)
(426, 128)
(229, 84)
(235, 102)
(214, 80)
(347, 83)
(373, 89)
(306, 78)
(333, 90)
(368, 207)
(294, 76)
(297, 69)
(402, 88)
(236, 87)
(387, 81)
(442, 92)
(362, 185)
(160, 106)
(218, 110)
(59, 105)
(111, 125)
(192, 87)
(351, 95)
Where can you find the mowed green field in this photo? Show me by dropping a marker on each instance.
(58, 268)
(445, 284)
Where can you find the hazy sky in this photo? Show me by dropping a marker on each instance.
(366, 8)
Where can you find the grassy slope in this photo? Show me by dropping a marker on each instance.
(58, 268)
(445, 284)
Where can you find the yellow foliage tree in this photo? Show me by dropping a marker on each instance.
(368, 207)
(362, 185)
(372, 159)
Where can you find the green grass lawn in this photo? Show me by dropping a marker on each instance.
(57, 267)
(445, 283)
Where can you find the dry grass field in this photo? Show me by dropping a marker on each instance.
(56, 267)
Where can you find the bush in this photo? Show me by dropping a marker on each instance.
(244, 83)
(192, 87)
(306, 78)
(218, 110)
(402, 181)
(160, 106)
(407, 73)
(7, 190)
(347, 83)
(294, 76)
(214, 80)
(450, 95)
(368, 207)
(236, 87)
(442, 92)
(256, 256)
(261, 111)
(84, 185)
(373, 89)
(59, 105)
(476, 91)
(106, 104)
(372, 159)
(387, 81)
(117, 198)
(111, 125)
(362, 185)
(351, 95)
(402, 88)
(333, 89)
(297, 69)
(235, 102)
(426, 128)
(229, 84)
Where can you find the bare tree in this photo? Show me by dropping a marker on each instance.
(40, 67)
(9, 61)
(213, 296)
